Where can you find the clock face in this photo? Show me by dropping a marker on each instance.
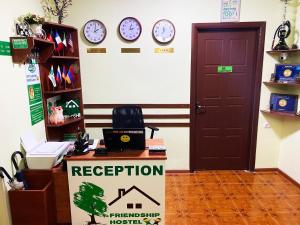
(163, 31)
(94, 31)
(130, 29)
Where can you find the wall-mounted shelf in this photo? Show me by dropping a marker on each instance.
(280, 114)
(276, 84)
(21, 53)
(61, 91)
(64, 57)
(277, 52)
(67, 122)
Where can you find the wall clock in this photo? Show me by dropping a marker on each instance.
(94, 31)
(130, 29)
(163, 31)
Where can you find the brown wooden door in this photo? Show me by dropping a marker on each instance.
(223, 102)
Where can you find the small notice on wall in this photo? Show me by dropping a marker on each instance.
(5, 48)
(34, 93)
(230, 10)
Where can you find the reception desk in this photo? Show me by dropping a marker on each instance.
(118, 188)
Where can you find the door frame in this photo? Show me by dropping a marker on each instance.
(259, 27)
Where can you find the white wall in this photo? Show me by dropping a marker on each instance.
(14, 115)
(289, 149)
(165, 78)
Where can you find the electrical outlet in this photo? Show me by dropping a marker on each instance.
(267, 125)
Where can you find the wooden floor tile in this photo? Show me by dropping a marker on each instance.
(261, 189)
(221, 205)
(237, 189)
(287, 218)
(248, 205)
(275, 205)
(229, 178)
(260, 219)
(229, 219)
(273, 178)
(175, 219)
(194, 205)
(250, 178)
(199, 219)
(207, 178)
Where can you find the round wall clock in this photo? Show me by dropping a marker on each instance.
(163, 31)
(130, 29)
(94, 31)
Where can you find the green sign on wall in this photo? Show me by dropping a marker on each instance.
(5, 48)
(20, 43)
(225, 69)
(36, 113)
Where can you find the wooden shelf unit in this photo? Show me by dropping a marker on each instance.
(48, 57)
(66, 91)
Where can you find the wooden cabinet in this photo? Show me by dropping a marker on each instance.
(68, 92)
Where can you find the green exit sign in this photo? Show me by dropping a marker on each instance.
(224, 69)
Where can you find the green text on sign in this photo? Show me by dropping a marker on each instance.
(5, 48)
(224, 69)
(36, 113)
(20, 43)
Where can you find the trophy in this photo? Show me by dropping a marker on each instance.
(282, 32)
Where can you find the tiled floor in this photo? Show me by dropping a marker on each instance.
(231, 198)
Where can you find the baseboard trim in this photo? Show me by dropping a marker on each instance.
(288, 177)
(178, 171)
(266, 170)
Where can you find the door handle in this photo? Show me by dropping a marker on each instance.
(200, 108)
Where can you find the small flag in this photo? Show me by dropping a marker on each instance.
(52, 77)
(64, 41)
(49, 37)
(70, 75)
(64, 73)
(59, 43)
(58, 77)
(70, 43)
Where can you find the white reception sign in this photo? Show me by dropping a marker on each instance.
(117, 192)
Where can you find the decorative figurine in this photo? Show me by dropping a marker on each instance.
(82, 143)
(283, 31)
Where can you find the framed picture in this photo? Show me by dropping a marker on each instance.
(284, 103)
(286, 73)
(230, 10)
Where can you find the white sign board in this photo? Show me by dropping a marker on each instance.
(230, 10)
(117, 192)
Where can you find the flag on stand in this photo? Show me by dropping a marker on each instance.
(52, 77)
(59, 43)
(70, 43)
(64, 41)
(70, 75)
(64, 73)
(49, 37)
(58, 77)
